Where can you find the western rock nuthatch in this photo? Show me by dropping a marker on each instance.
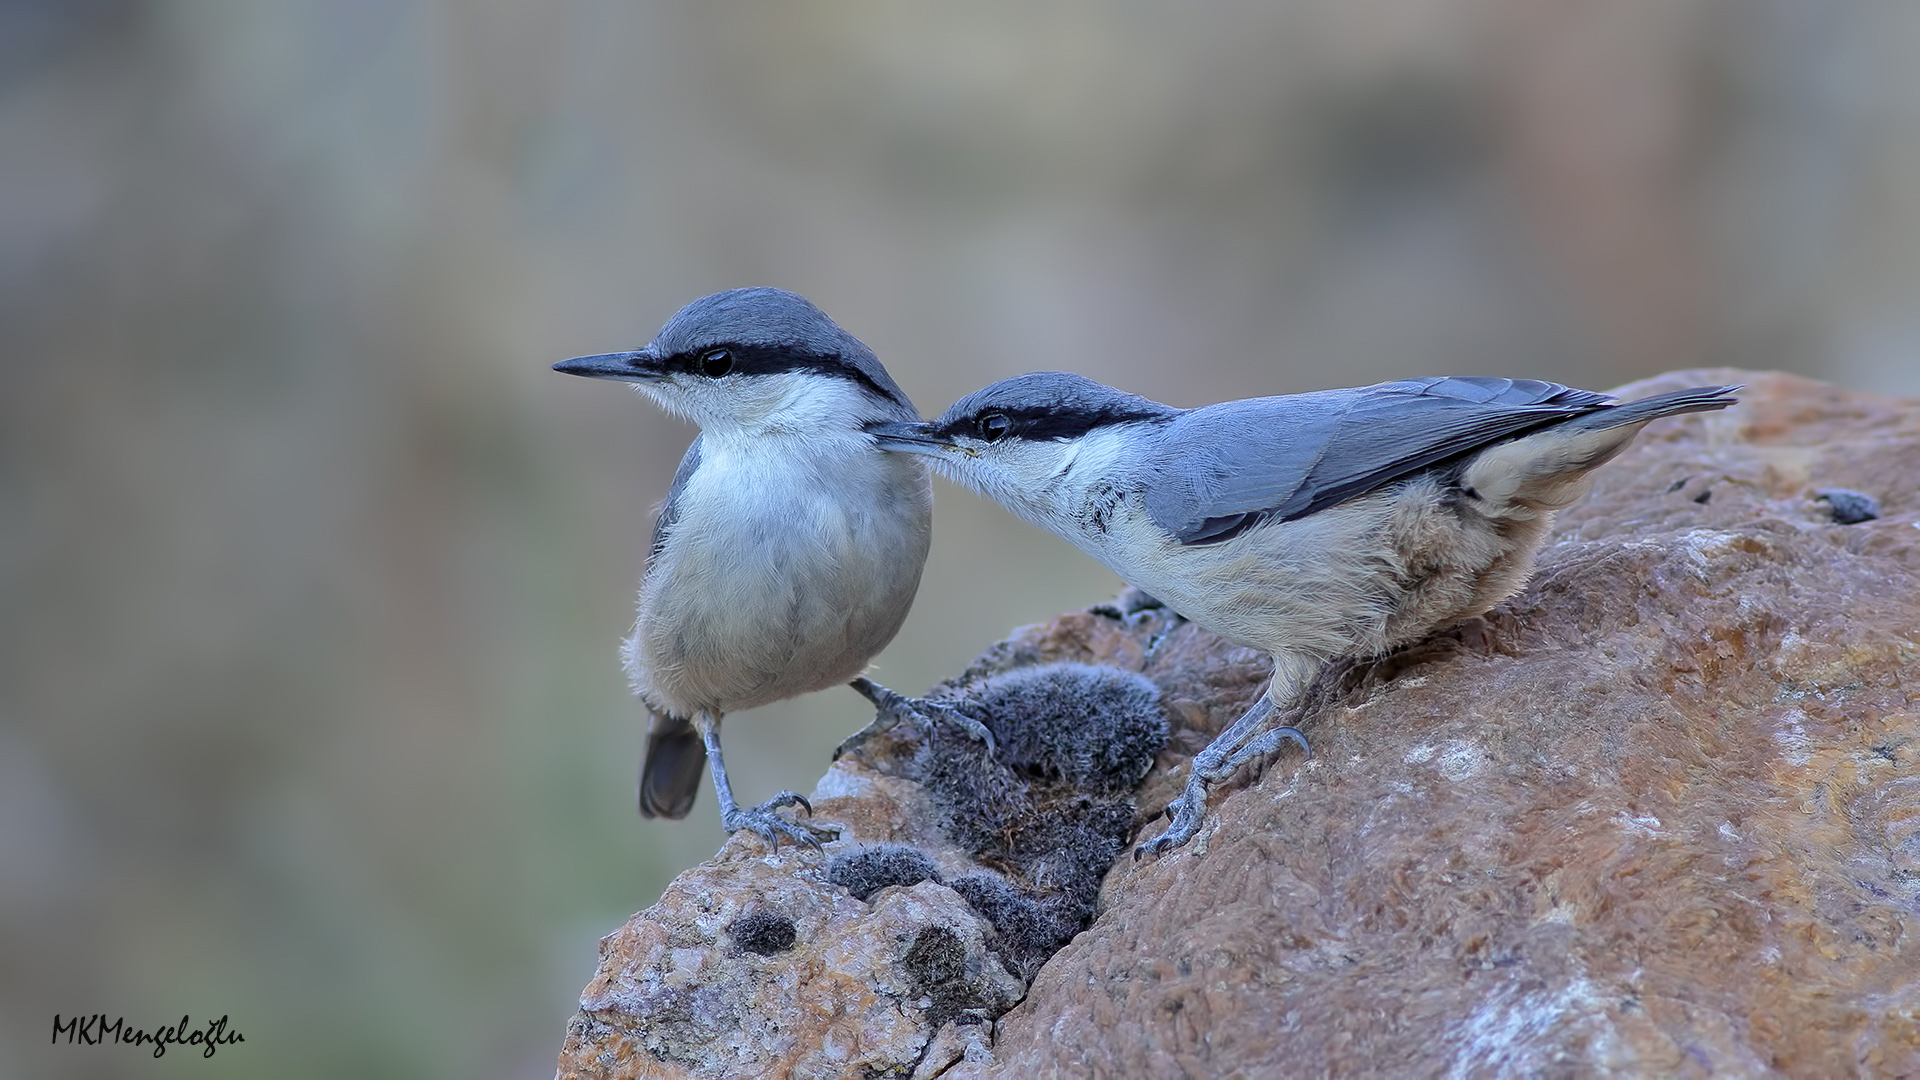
(788, 548)
(1313, 527)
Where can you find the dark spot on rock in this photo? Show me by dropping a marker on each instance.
(935, 958)
(1097, 728)
(979, 800)
(762, 932)
(1678, 484)
(1703, 497)
(1848, 507)
(1026, 932)
(868, 870)
(936, 964)
(1051, 810)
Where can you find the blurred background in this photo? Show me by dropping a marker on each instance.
(314, 573)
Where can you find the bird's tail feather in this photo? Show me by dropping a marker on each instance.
(1547, 470)
(1695, 399)
(670, 775)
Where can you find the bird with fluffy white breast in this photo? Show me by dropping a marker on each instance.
(789, 547)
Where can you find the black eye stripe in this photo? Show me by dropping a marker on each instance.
(772, 360)
(1039, 424)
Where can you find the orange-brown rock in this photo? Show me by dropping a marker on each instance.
(1659, 814)
(888, 954)
(833, 987)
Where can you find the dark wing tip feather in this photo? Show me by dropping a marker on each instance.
(1691, 400)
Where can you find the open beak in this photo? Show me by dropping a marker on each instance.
(637, 366)
(908, 438)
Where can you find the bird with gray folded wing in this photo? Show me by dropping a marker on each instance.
(1314, 527)
(789, 546)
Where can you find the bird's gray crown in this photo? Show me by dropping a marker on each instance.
(770, 331)
(1046, 405)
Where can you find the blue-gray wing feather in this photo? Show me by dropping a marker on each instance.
(1225, 465)
(670, 508)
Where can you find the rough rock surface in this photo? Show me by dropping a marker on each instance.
(1657, 815)
(684, 990)
(954, 878)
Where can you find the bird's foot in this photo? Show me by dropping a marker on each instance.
(1186, 812)
(1265, 744)
(1184, 815)
(891, 708)
(766, 821)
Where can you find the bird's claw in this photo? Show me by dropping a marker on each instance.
(969, 726)
(1262, 747)
(1184, 815)
(787, 798)
(1186, 812)
(765, 821)
(891, 708)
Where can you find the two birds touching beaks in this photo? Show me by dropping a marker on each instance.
(1313, 527)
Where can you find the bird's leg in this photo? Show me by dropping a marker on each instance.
(1185, 812)
(762, 819)
(893, 708)
(1232, 748)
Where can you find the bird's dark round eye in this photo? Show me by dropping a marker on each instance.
(994, 426)
(715, 363)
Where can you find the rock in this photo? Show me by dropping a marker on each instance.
(954, 878)
(858, 989)
(1659, 814)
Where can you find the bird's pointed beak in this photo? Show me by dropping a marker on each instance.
(637, 366)
(908, 438)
